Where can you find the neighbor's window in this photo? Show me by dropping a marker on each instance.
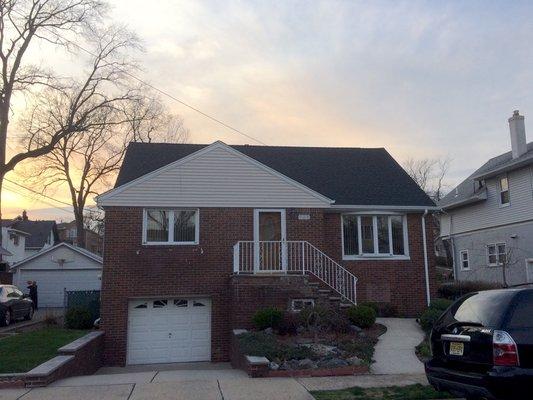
(504, 191)
(464, 260)
(374, 235)
(496, 254)
(171, 226)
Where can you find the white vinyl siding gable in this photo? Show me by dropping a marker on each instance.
(489, 213)
(218, 177)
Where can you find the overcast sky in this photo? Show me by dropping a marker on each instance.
(422, 79)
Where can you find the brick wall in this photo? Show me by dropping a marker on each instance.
(132, 270)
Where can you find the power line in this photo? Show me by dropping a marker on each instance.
(161, 91)
(37, 193)
(20, 193)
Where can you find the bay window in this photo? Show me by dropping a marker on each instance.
(172, 226)
(374, 236)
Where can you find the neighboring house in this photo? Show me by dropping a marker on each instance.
(56, 269)
(199, 237)
(68, 232)
(487, 221)
(13, 244)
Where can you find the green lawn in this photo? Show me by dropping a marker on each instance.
(22, 352)
(412, 392)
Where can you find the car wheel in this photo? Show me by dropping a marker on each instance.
(6, 320)
(29, 316)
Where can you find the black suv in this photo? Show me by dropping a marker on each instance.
(482, 346)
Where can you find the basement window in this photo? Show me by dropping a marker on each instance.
(374, 236)
(174, 226)
(299, 304)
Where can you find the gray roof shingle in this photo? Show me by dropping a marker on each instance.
(350, 176)
(469, 188)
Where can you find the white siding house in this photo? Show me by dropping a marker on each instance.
(487, 220)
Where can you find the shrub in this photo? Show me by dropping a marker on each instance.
(457, 289)
(289, 324)
(325, 318)
(381, 309)
(79, 318)
(440, 304)
(267, 318)
(362, 316)
(428, 318)
(262, 344)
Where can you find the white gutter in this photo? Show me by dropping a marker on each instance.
(426, 266)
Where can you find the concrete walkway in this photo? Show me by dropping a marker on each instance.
(197, 384)
(395, 351)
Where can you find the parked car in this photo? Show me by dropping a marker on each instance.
(482, 345)
(14, 305)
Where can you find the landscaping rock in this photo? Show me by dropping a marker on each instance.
(289, 365)
(269, 331)
(273, 366)
(354, 360)
(322, 350)
(362, 334)
(355, 328)
(306, 363)
(333, 363)
(300, 330)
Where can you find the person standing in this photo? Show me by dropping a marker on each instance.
(32, 286)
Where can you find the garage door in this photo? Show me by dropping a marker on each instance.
(169, 330)
(51, 283)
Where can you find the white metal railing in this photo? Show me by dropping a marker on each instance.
(253, 257)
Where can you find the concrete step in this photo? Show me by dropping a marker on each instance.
(335, 298)
(324, 291)
(345, 305)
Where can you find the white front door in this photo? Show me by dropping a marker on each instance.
(169, 330)
(270, 247)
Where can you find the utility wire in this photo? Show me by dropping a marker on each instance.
(37, 193)
(20, 193)
(163, 92)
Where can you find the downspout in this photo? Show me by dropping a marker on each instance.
(426, 264)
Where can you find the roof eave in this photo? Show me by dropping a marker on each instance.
(465, 202)
(377, 207)
(506, 168)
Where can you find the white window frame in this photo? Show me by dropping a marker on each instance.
(498, 263)
(500, 191)
(376, 255)
(171, 213)
(462, 260)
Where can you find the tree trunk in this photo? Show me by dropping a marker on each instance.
(80, 229)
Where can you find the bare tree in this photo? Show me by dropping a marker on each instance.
(22, 23)
(108, 115)
(429, 174)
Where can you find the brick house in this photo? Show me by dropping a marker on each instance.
(199, 237)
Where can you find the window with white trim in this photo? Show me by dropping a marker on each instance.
(374, 236)
(174, 226)
(496, 254)
(465, 262)
(504, 191)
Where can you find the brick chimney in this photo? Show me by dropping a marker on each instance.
(518, 134)
(24, 215)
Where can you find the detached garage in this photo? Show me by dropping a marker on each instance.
(56, 269)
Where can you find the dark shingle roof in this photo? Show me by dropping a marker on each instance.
(350, 176)
(469, 188)
(39, 231)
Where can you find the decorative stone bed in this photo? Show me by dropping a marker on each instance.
(265, 354)
(80, 357)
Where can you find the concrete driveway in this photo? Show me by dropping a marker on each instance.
(161, 385)
(210, 384)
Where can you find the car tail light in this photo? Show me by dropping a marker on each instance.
(504, 349)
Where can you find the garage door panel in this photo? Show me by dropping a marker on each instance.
(169, 330)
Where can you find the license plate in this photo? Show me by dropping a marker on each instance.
(457, 348)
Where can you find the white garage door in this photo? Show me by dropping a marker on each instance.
(51, 283)
(169, 330)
